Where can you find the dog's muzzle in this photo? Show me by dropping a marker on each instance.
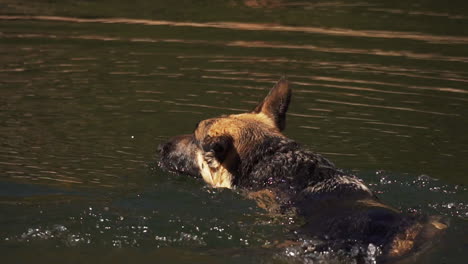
(179, 155)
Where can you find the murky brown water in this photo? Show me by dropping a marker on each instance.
(88, 90)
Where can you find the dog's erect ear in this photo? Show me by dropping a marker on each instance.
(276, 103)
(216, 148)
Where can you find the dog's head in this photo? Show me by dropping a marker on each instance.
(218, 145)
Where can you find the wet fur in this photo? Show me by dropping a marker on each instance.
(249, 152)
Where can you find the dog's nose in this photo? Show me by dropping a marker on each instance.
(165, 147)
(162, 148)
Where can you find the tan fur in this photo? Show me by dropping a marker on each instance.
(404, 242)
(373, 203)
(265, 199)
(214, 174)
(258, 118)
(439, 225)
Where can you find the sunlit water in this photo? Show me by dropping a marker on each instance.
(89, 90)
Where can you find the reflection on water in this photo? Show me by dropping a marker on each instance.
(86, 99)
(257, 27)
(418, 13)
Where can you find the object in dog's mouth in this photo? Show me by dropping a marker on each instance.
(249, 152)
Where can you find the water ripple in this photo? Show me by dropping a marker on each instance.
(387, 107)
(259, 44)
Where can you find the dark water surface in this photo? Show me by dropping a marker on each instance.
(89, 88)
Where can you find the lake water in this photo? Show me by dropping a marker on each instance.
(90, 88)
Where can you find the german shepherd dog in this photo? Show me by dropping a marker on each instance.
(248, 152)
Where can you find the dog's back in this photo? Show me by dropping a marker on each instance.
(335, 206)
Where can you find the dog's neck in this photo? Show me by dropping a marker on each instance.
(279, 161)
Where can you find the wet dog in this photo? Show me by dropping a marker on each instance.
(248, 151)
